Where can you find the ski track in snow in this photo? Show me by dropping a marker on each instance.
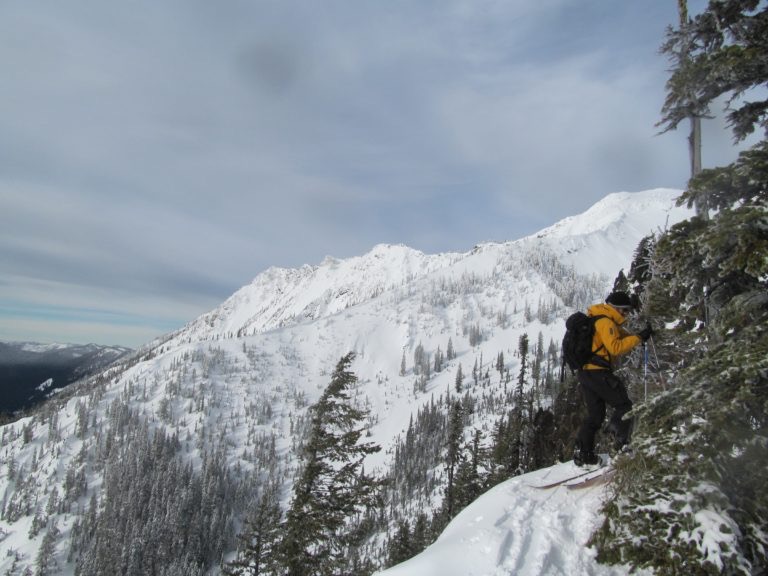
(517, 529)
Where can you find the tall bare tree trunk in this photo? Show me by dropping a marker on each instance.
(694, 140)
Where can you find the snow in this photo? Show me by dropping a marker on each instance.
(518, 529)
(41, 348)
(45, 385)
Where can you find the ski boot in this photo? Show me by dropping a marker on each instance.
(585, 457)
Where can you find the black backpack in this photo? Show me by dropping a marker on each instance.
(577, 343)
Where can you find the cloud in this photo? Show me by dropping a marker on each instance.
(52, 311)
(154, 157)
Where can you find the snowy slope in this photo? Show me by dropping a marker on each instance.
(517, 529)
(590, 240)
(238, 380)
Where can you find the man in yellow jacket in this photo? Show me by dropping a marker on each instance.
(599, 385)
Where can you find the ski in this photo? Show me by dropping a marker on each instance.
(601, 478)
(569, 479)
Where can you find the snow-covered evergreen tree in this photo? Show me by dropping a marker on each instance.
(332, 487)
(693, 500)
(260, 539)
(453, 456)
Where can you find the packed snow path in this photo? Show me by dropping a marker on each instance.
(518, 529)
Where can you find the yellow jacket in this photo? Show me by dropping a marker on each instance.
(610, 338)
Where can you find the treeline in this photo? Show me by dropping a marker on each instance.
(145, 499)
(442, 463)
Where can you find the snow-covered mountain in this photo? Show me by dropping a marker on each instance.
(222, 402)
(280, 297)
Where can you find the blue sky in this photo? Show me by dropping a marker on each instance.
(156, 156)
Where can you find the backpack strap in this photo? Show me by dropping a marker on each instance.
(596, 359)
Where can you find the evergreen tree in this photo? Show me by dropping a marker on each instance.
(640, 269)
(332, 487)
(720, 52)
(453, 456)
(542, 442)
(439, 360)
(621, 283)
(46, 563)
(401, 546)
(468, 481)
(459, 382)
(518, 420)
(568, 412)
(259, 542)
(553, 362)
(418, 359)
(510, 454)
(702, 446)
(536, 367)
(522, 348)
(421, 538)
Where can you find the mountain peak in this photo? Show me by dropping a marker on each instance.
(613, 209)
(589, 241)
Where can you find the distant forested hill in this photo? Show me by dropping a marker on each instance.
(29, 372)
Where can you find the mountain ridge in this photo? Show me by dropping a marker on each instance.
(281, 296)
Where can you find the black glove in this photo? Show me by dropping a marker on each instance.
(645, 333)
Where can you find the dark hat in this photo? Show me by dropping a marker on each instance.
(619, 299)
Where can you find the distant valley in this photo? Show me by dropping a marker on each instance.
(30, 372)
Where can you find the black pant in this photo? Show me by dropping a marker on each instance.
(601, 387)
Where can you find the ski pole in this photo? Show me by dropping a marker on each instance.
(645, 370)
(658, 365)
